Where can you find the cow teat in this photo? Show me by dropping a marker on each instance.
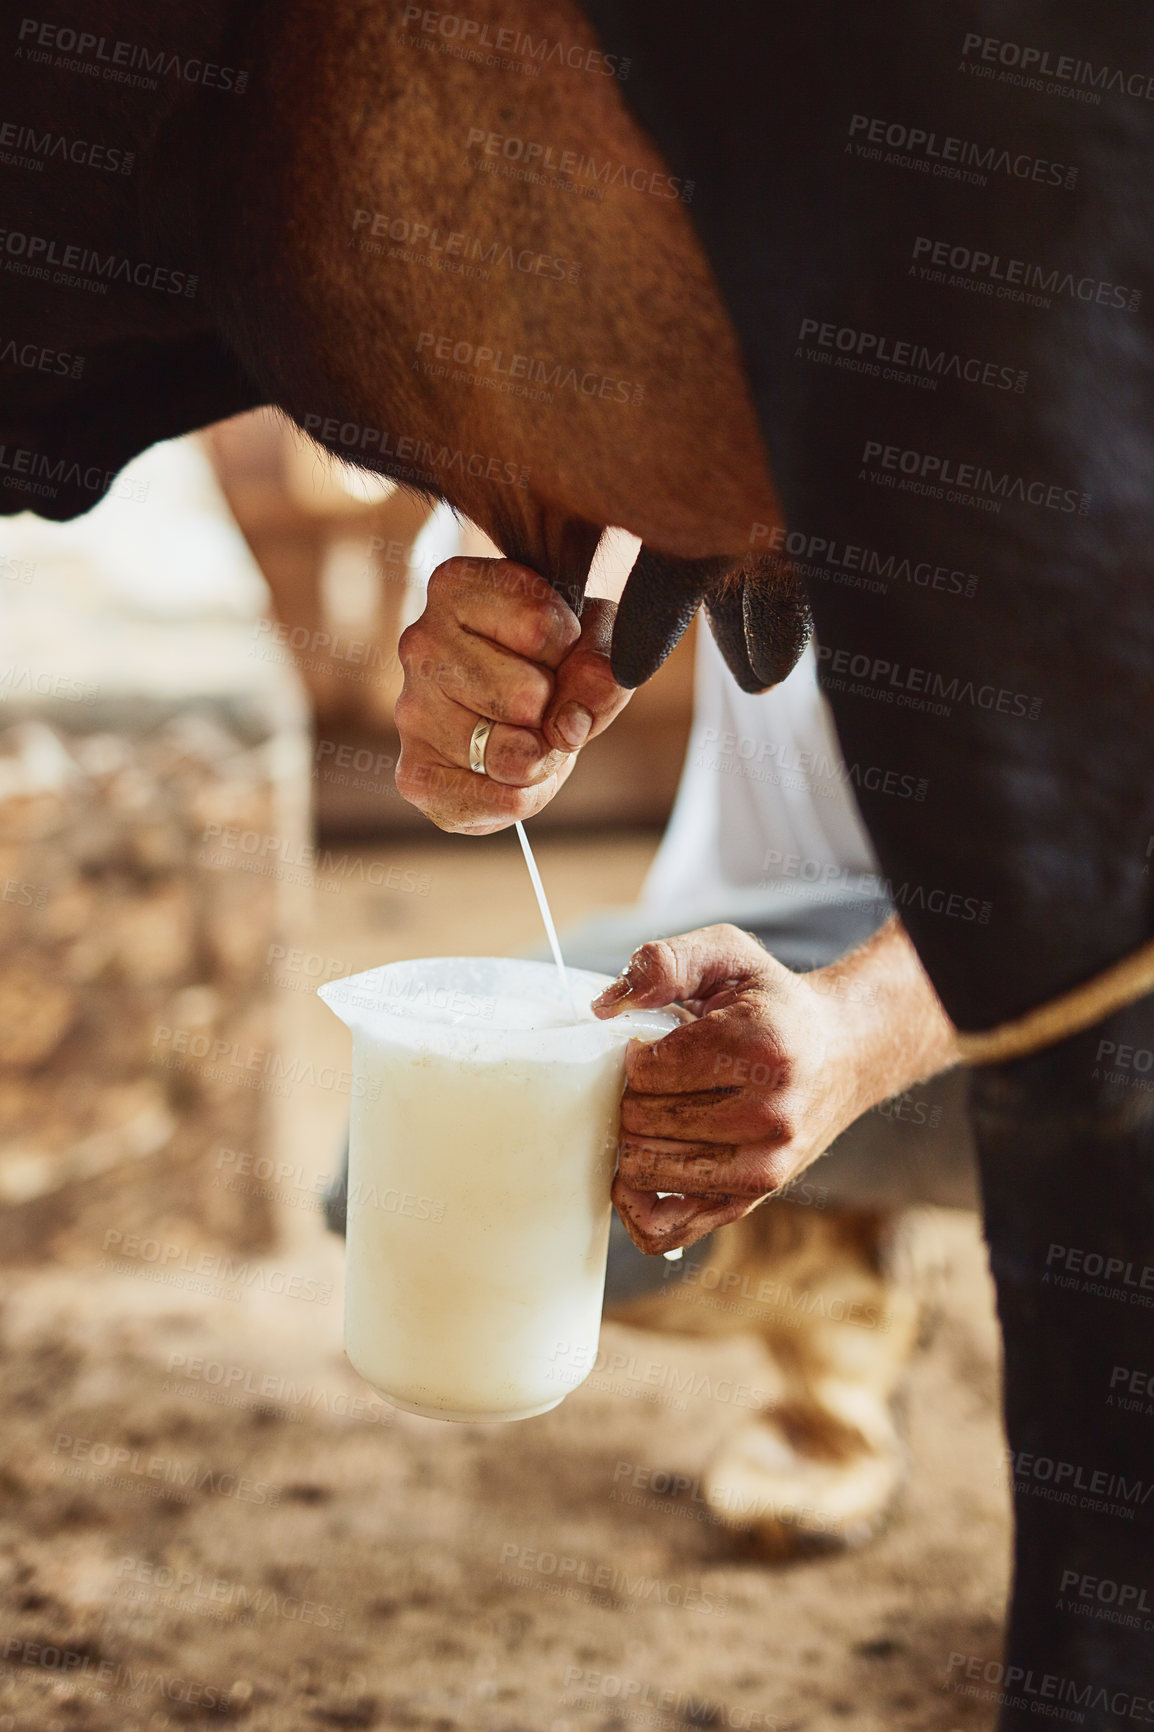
(759, 617)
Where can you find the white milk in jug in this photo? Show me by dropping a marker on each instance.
(482, 1148)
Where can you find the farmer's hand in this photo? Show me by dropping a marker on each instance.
(726, 1109)
(496, 640)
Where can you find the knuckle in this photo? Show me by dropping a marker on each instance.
(778, 1127)
(761, 1116)
(652, 961)
(503, 800)
(782, 1066)
(544, 627)
(405, 712)
(526, 700)
(774, 1169)
(411, 786)
(450, 576)
(510, 579)
(589, 672)
(414, 645)
(632, 1146)
(638, 1117)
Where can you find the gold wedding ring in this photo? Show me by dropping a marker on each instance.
(478, 740)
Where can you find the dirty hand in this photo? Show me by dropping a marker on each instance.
(724, 1110)
(496, 641)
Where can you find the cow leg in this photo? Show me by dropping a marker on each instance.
(1066, 1144)
(829, 1294)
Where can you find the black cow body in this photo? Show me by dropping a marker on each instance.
(1040, 810)
(933, 227)
(109, 341)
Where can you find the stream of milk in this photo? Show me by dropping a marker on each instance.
(545, 911)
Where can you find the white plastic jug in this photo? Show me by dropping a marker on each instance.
(482, 1146)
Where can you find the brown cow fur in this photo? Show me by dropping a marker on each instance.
(643, 307)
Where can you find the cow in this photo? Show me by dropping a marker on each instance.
(839, 310)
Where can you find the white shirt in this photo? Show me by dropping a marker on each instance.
(764, 797)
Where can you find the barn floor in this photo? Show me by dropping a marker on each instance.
(207, 1518)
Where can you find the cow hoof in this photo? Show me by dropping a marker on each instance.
(799, 1482)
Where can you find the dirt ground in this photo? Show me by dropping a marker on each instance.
(207, 1517)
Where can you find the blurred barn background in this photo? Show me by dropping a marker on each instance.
(182, 707)
(198, 825)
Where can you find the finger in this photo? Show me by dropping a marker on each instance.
(692, 966)
(658, 1224)
(734, 1116)
(429, 719)
(491, 681)
(586, 696)
(460, 801)
(702, 1169)
(733, 1046)
(507, 604)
